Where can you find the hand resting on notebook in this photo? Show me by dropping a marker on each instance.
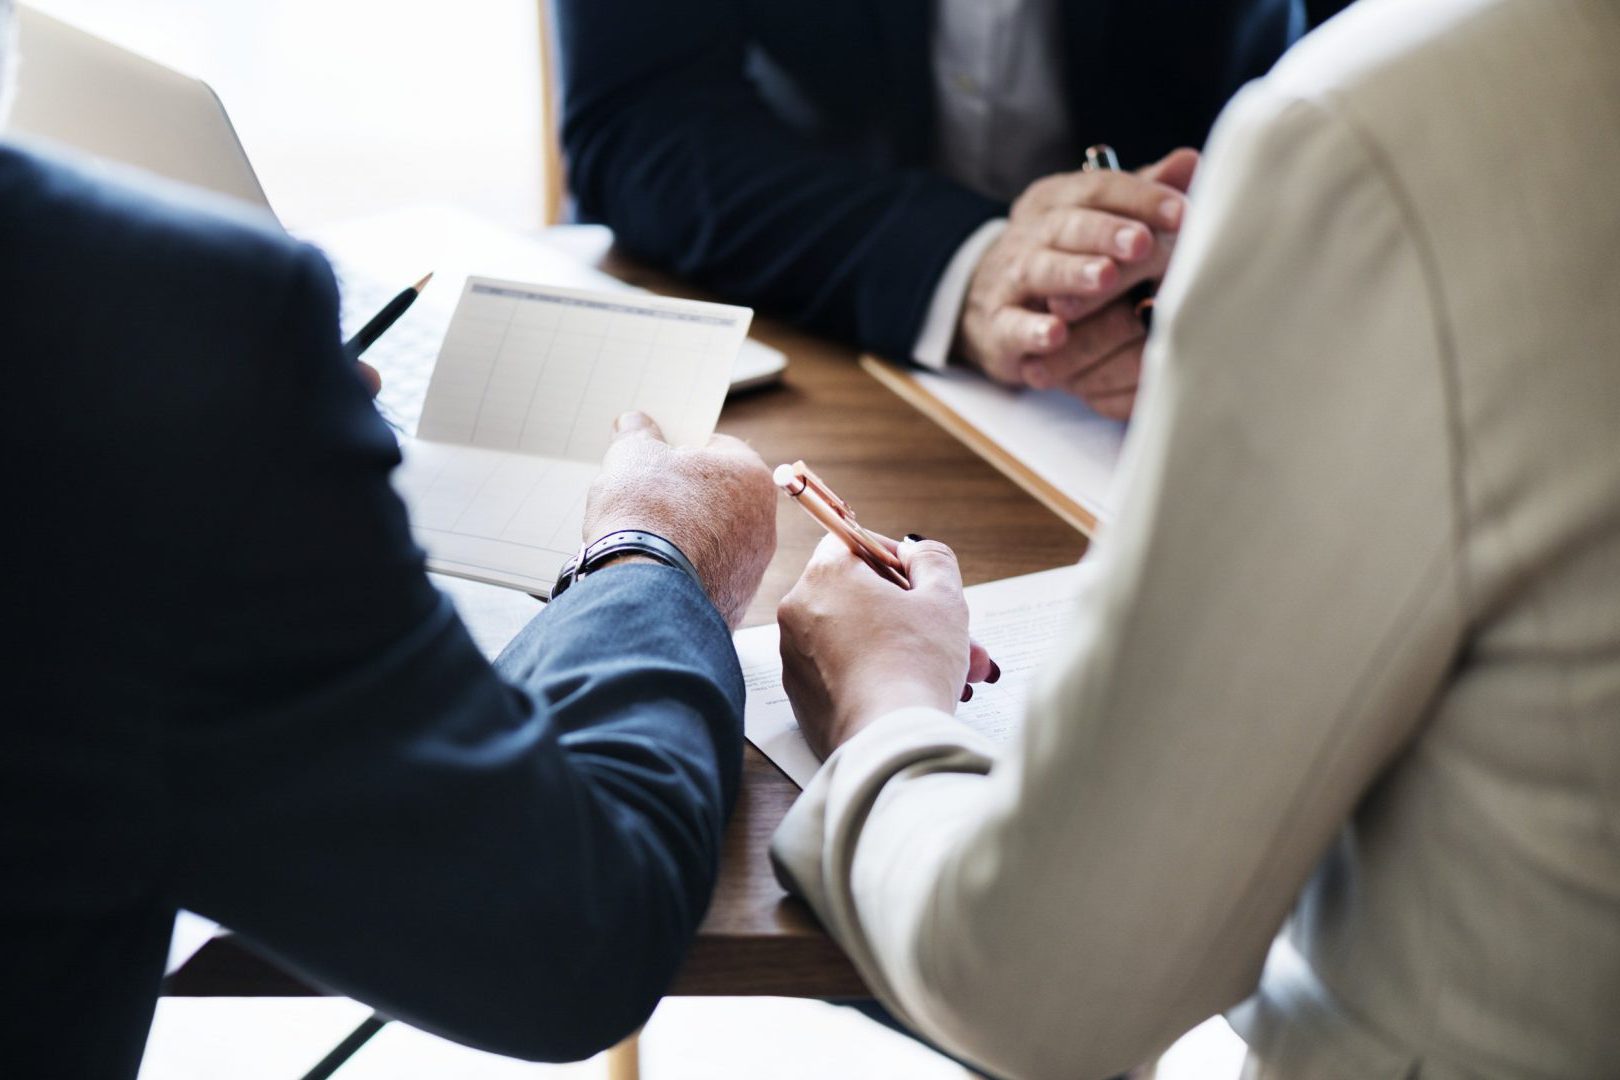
(716, 503)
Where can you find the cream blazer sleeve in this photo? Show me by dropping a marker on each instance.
(1264, 627)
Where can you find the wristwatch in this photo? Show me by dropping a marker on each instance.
(623, 542)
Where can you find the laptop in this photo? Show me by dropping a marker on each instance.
(77, 91)
(106, 104)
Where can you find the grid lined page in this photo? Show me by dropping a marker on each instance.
(493, 516)
(520, 410)
(545, 371)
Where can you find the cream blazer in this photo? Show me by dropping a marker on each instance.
(1333, 743)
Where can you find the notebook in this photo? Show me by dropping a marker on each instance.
(520, 408)
(1047, 442)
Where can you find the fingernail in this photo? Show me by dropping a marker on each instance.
(1037, 377)
(622, 421)
(1092, 274)
(967, 693)
(995, 673)
(1126, 240)
(1170, 213)
(914, 538)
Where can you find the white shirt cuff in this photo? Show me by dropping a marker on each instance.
(933, 346)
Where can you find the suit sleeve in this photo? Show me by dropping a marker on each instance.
(1268, 621)
(515, 858)
(669, 143)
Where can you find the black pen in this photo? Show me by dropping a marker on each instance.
(385, 318)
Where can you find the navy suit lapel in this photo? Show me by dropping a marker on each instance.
(904, 31)
(1085, 26)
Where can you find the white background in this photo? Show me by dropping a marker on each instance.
(349, 107)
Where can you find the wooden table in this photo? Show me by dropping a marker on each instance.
(904, 475)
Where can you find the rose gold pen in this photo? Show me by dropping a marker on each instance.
(838, 517)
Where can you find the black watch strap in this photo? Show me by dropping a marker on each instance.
(623, 542)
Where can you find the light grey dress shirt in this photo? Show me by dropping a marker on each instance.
(1003, 123)
(998, 94)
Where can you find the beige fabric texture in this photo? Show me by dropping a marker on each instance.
(1333, 742)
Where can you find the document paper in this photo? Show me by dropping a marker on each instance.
(1018, 620)
(1051, 432)
(521, 406)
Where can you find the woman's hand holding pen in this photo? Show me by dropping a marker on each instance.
(855, 647)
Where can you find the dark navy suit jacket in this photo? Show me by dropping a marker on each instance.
(230, 687)
(780, 151)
